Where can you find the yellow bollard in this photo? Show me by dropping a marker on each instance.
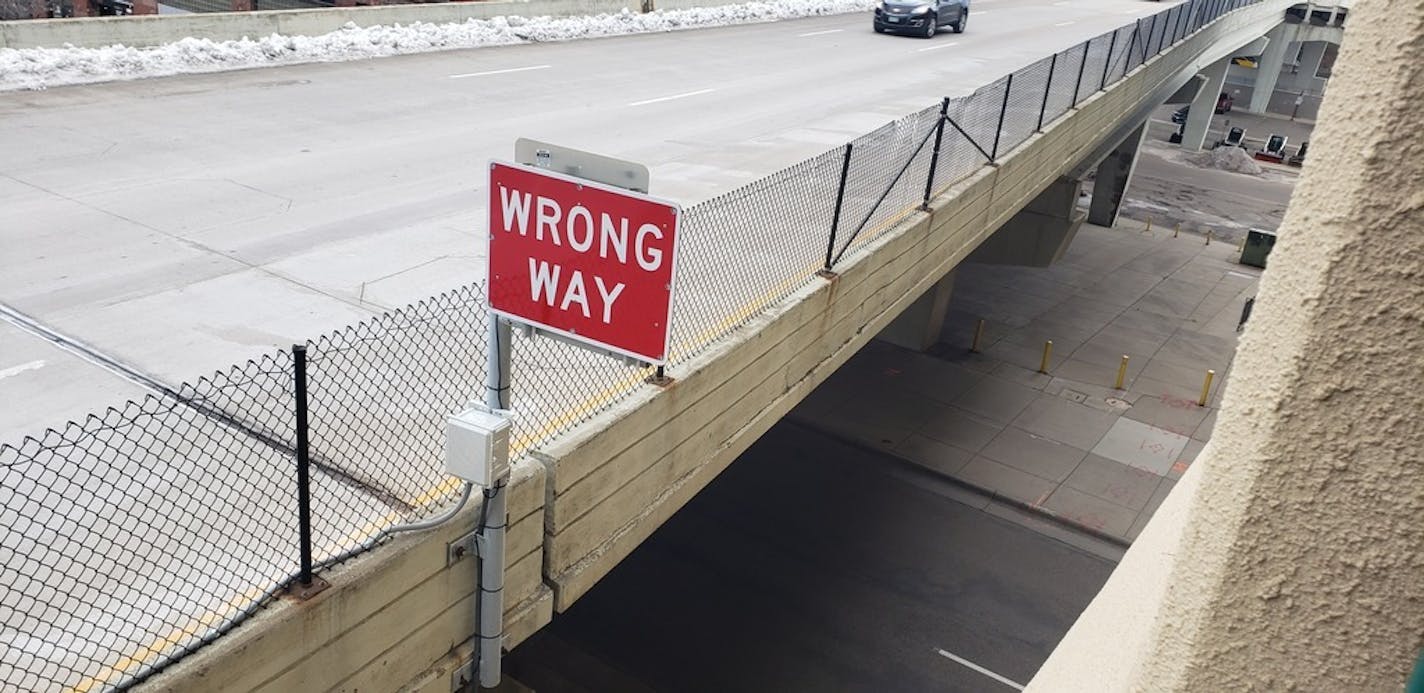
(1121, 373)
(1206, 388)
(978, 332)
(1178, 230)
(1149, 226)
(1208, 236)
(1047, 353)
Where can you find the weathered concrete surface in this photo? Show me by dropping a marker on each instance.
(919, 326)
(392, 616)
(613, 482)
(1291, 560)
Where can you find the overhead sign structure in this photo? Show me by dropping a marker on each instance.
(581, 259)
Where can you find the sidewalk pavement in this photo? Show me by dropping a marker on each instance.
(1067, 444)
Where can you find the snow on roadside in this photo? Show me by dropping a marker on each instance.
(39, 68)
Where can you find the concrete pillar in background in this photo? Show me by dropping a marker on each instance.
(1290, 555)
(1311, 53)
(919, 327)
(1268, 71)
(1204, 106)
(1114, 174)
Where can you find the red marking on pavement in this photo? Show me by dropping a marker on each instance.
(1181, 467)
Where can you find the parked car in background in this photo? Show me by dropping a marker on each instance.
(1224, 102)
(921, 17)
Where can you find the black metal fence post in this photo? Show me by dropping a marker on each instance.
(1151, 34)
(840, 198)
(1131, 47)
(1107, 63)
(299, 359)
(1047, 89)
(1003, 110)
(934, 159)
(1082, 65)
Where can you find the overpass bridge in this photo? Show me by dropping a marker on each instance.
(596, 478)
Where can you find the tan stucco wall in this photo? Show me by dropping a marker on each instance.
(1294, 557)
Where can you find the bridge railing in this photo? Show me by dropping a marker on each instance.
(137, 535)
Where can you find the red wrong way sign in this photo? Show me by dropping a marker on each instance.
(585, 260)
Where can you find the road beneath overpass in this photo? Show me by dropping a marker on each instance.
(813, 565)
(182, 224)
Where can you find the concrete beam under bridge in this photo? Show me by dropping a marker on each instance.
(1114, 173)
(1039, 234)
(918, 328)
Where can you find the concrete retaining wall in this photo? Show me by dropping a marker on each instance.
(398, 618)
(395, 618)
(156, 30)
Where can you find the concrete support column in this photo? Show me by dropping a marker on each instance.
(1040, 232)
(1115, 172)
(1204, 106)
(918, 328)
(1311, 53)
(1268, 71)
(1290, 555)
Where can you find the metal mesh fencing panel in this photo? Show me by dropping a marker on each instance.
(1094, 68)
(1026, 89)
(888, 171)
(1063, 82)
(125, 542)
(770, 234)
(378, 396)
(1164, 24)
(958, 156)
(1124, 48)
(555, 385)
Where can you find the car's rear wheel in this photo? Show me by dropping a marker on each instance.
(963, 20)
(931, 24)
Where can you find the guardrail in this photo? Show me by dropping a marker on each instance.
(143, 532)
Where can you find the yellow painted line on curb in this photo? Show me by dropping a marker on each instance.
(131, 661)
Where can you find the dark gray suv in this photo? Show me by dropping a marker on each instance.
(921, 18)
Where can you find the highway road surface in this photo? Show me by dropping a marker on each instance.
(182, 224)
(815, 566)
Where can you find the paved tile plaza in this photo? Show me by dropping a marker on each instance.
(1067, 443)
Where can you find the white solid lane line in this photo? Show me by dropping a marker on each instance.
(1065, 24)
(16, 370)
(820, 33)
(982, 670)
(660, 99)
(501, 72)
(935, 48)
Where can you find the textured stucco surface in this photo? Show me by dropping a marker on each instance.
(1299, 564)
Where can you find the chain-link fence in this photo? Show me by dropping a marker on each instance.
(143, 532)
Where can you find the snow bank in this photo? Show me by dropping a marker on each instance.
(38, 68)
(1233, 159)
